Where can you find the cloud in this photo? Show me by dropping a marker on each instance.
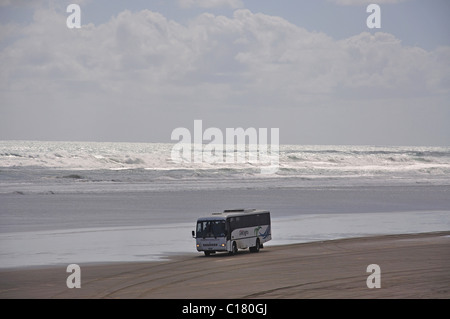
(141, 71)
(234, 4)
(249, 50)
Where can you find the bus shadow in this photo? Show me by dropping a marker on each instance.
(240, 253)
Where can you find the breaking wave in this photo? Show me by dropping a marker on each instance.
(83, 162)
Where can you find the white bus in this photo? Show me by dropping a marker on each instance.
(233, 229)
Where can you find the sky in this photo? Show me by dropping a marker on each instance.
(136, 70)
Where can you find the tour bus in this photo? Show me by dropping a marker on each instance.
(233, 229)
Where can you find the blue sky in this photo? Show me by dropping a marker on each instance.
(137, 70)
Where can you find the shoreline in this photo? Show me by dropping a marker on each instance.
(415, 265)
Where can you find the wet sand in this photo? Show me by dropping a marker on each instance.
(412, 266)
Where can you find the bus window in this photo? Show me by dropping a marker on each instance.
(211, 228)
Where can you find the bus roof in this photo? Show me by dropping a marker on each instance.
(232, 213)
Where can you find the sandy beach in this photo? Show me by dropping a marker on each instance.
(411, 266)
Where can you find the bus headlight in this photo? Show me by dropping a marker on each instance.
(223, 245)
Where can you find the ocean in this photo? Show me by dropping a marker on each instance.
(99, 167)
(83, 202)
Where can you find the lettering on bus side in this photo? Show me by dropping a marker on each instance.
(243, 233)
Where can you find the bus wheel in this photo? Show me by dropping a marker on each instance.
(256, 248)
(234, 249)
(207, 253)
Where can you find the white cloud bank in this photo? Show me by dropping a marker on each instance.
(139, 63)
(255, 51)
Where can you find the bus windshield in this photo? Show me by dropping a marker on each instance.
(211, 228)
